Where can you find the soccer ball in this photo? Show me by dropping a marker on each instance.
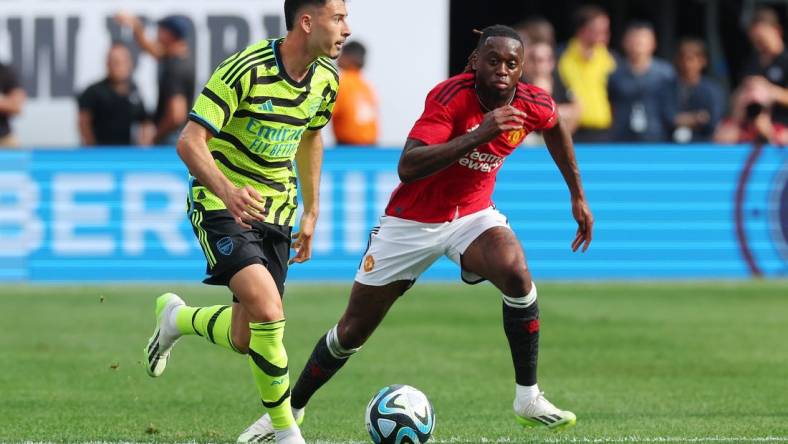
(400, 414)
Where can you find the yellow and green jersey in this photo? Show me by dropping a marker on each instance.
(257, 115)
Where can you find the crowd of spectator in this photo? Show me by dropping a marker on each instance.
(603, 95)
(634, 96)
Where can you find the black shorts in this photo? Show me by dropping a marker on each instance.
(229, 247)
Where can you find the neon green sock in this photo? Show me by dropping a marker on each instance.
(212, 323)
(268, 361)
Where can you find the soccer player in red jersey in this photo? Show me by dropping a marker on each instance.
(443, 206)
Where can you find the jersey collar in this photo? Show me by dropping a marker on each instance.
(283, 72)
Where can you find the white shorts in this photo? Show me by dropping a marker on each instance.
(401, 249)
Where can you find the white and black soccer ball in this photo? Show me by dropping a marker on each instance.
(400, 414)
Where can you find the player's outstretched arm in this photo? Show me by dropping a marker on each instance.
(243, 203)
(419, 160)
(559, 143)
(309, 160)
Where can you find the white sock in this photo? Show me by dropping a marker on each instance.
(297, 413)
(526, 393)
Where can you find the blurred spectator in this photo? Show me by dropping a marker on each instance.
(355, 120)
(769, 64)
(176, 72)
(641, 90)
(536, 29)
(700, 101)
(12, 100)
(539, 70)
(584, 67)
(750, 119)
(110, 108)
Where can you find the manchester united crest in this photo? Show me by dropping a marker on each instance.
(515, 137)
(369, 263)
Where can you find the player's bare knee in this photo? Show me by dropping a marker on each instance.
(516, 281)
(265, 312)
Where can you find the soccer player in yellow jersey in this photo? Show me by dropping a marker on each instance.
(260, 112)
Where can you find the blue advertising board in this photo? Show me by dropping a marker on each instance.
(662, 212)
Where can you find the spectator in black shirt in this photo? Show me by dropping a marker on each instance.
(700, 101)
(641, 89)
(769, 64)
(176, 72)
(12, 100)
(111, 110)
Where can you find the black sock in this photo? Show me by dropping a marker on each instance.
(522, 330)
(320, 367)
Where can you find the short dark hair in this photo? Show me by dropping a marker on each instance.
(585, 14)
(292, 7)
(765, 16)
(498, 31)
(639, 25)
(356, 50)
(696, 44)
(178, 25)
(536, 29)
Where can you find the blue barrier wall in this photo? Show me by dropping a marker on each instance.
(661, 212)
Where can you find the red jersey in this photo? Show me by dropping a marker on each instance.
(465, 187)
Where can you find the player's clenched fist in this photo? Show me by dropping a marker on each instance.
(501, 120)
(245, 204)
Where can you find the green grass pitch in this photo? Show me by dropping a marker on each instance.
(661, 362)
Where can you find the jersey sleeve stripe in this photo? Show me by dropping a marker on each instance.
(453, 93)
(317, 127)
(229, 60)
(536, 102)
(194, 117)
(329, 93)
(448, 90)
(449, 93)
(442, 88)
(280, 187)
(278, 118)
(278, 213)
(219, 102)
(330, 69)
(239, 91)
(267, 207)
(242, 60)
(246, 66)
(324, 113)
(229, 138)
(291, 214)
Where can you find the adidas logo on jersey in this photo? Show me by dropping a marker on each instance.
(266, 107)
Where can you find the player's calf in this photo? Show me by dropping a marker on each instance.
(328, 356)
(240, 336)
(521, 324)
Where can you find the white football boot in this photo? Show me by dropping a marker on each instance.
(263, 431)
(166, 334)
(539, 412)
